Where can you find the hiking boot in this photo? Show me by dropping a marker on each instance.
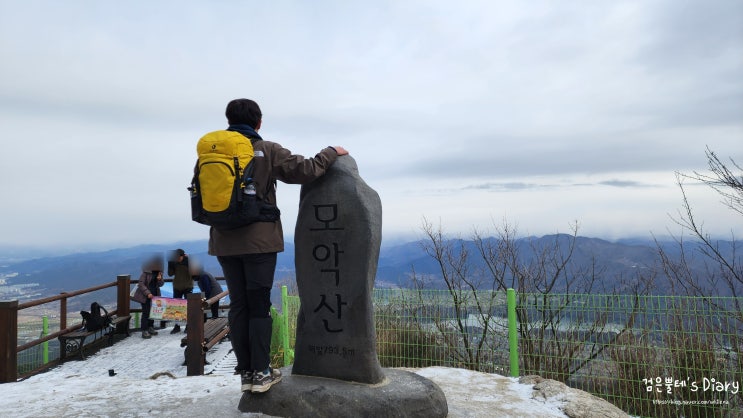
(262, 381)
(176, 329)
(146, 334)
(151, 331)
(246, 378)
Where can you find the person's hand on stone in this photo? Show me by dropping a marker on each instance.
(340, 150)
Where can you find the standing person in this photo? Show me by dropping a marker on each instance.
(182, 283)
(248, 254)
(148, 286)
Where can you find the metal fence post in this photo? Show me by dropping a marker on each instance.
(513, 336)
(285, 324)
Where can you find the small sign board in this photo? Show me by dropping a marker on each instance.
(168, 309)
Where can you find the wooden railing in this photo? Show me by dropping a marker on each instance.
(9, 347)
(196, 348)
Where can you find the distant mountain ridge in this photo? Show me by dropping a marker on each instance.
(55, 274)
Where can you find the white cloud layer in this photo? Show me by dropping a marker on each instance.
(539, 112)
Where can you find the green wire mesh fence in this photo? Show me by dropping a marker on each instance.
(652, 356)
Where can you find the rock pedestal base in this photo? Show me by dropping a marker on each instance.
(401, 394)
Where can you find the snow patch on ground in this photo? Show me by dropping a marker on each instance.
(151, 380)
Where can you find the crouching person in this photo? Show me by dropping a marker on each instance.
(148, 286)
(208, 284)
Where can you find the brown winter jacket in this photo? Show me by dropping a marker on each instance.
(275, 163)
(144, 285)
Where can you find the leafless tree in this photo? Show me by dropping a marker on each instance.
(723, 273)
(725, 266)
(557, 337)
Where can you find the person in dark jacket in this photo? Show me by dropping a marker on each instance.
(248, 254)
(148, 286)
(208, 285)
(182, 282)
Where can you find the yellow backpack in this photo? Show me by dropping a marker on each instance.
(223, 193)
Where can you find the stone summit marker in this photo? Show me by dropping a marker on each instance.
(337, 239)
(336, 372)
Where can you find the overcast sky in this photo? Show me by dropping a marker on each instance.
(471, 114)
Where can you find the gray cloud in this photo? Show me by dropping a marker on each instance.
(522, 186)
(625, 183)
(480, 157)
(683, 34)
(512, 186)
(505, 96)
